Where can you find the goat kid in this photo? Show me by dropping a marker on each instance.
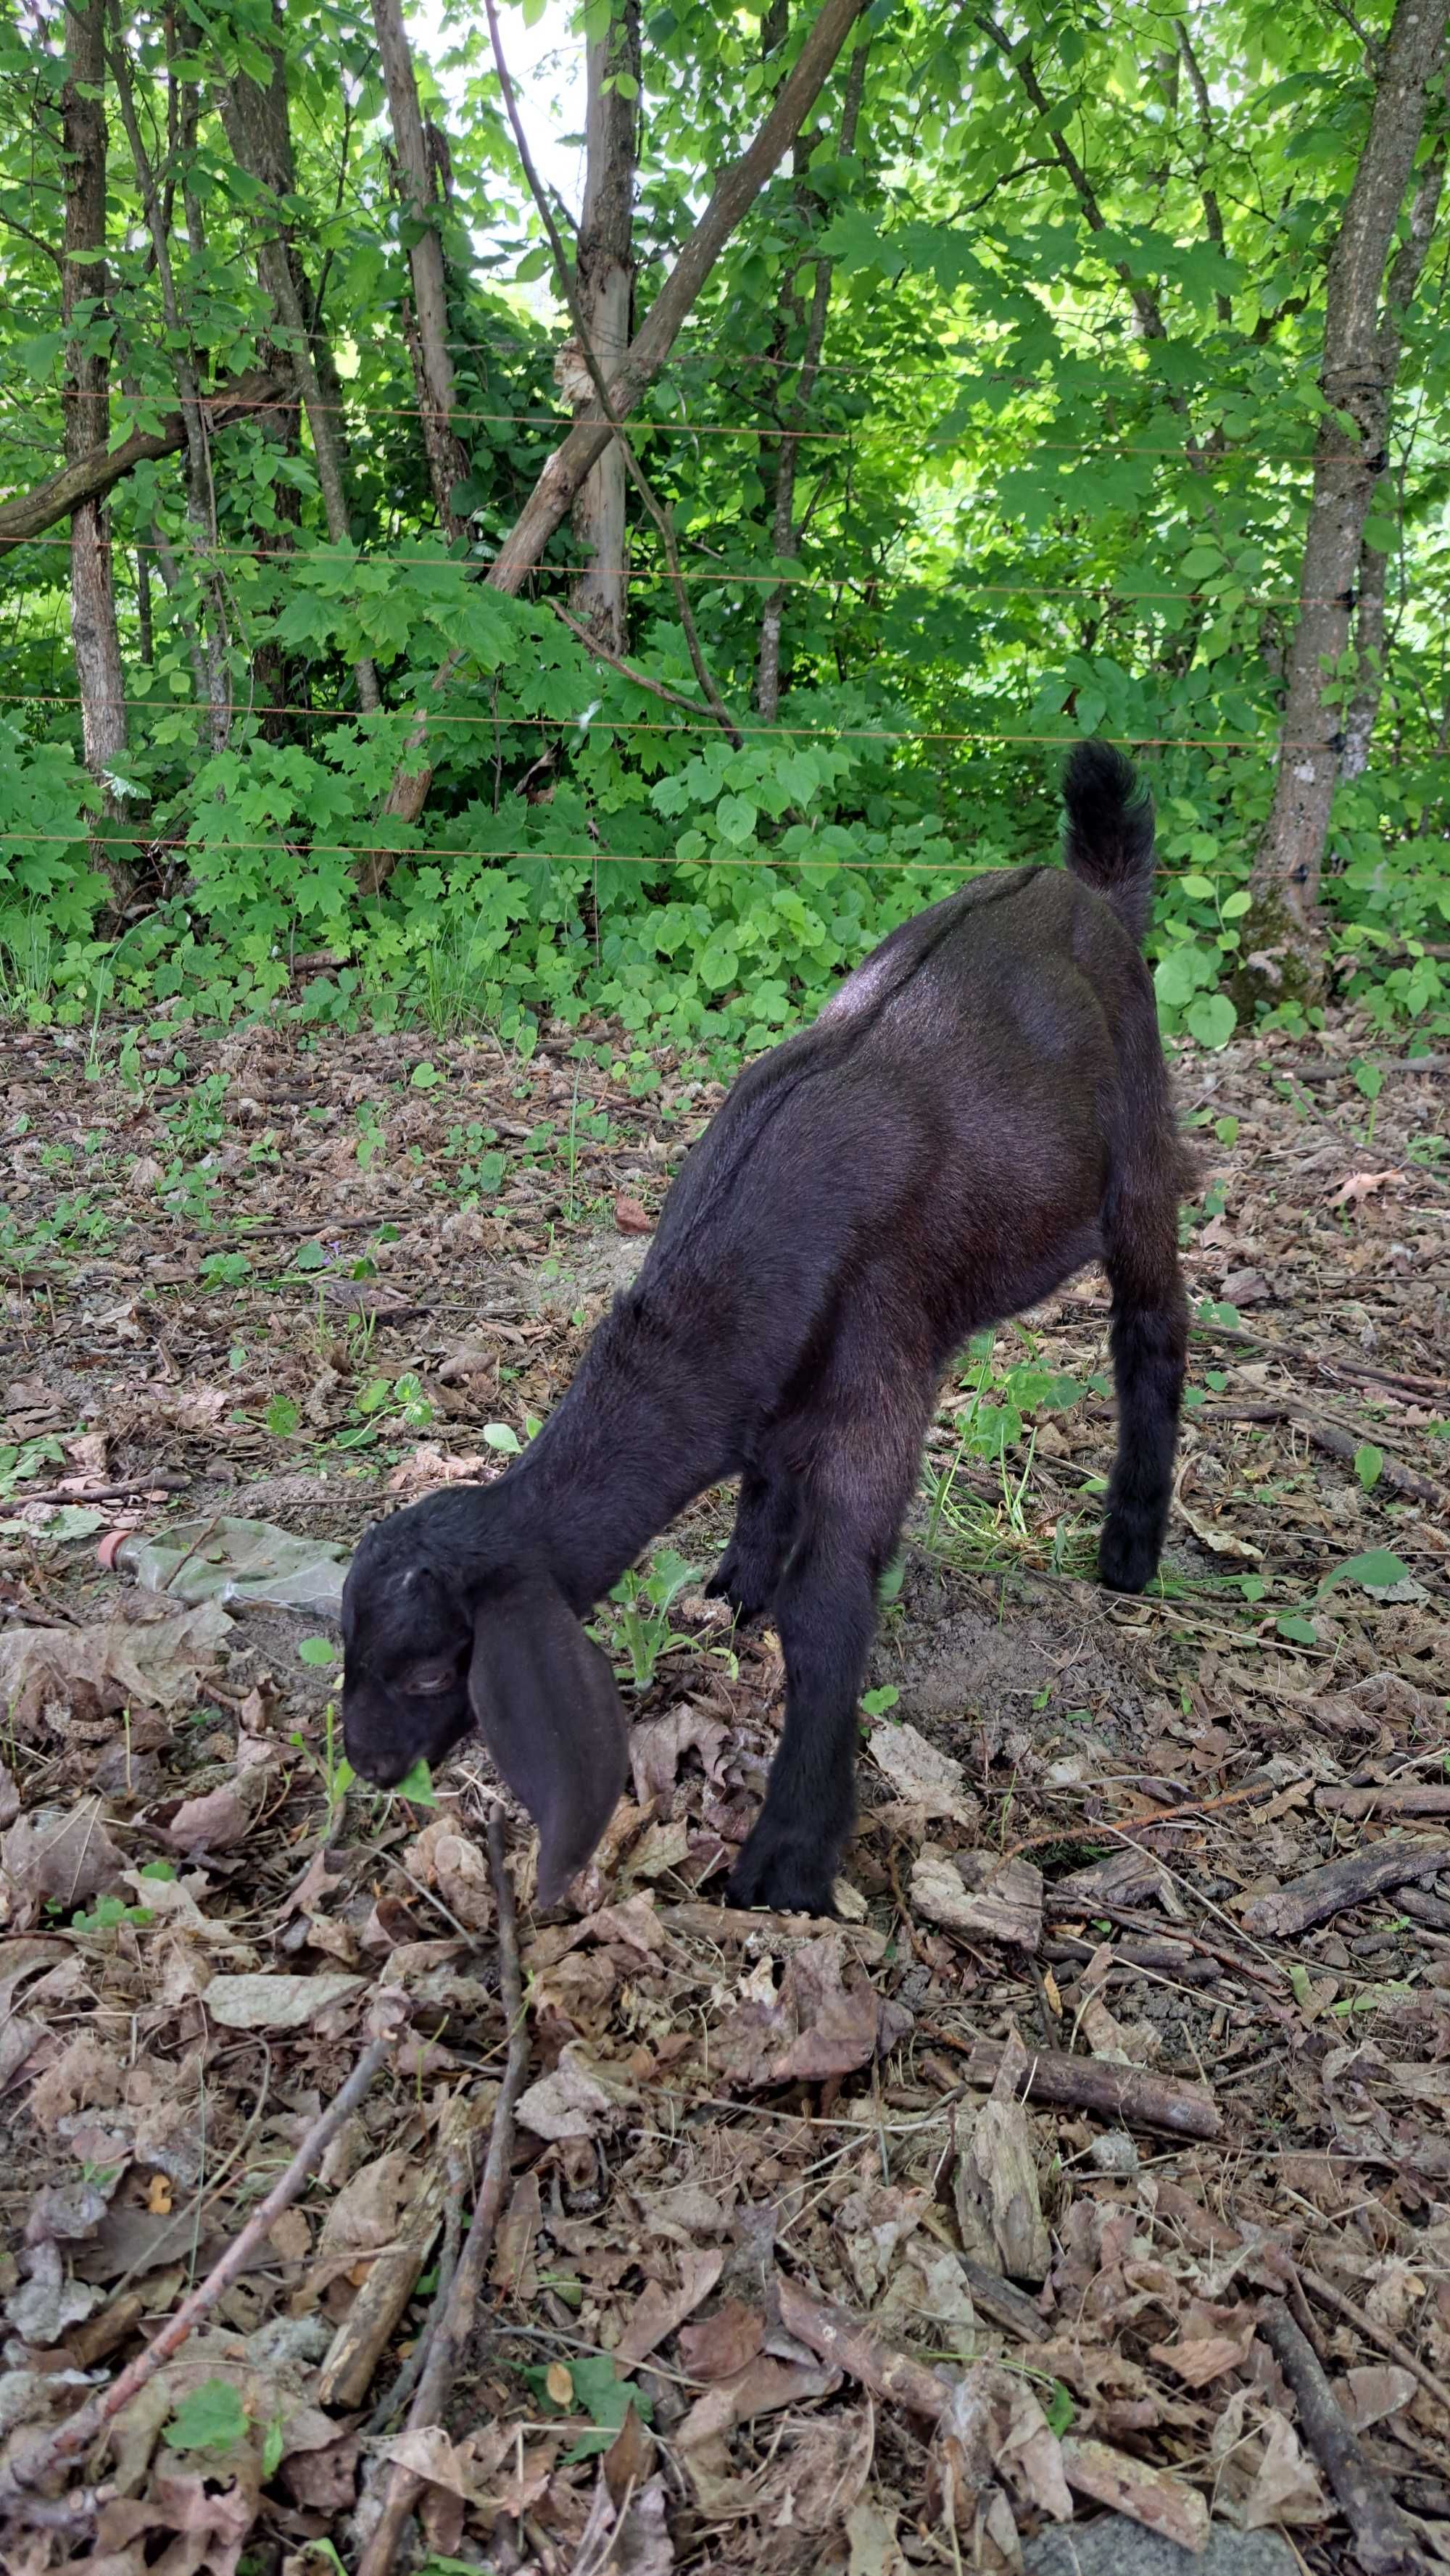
(981, 1109)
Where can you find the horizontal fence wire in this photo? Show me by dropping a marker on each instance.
(294, 843)
(416, 716)
(152, 408)
(710, 577)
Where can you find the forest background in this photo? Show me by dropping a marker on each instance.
(452, 586)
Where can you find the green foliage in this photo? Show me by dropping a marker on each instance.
(598, 2390)
(209, 2418)
(1018, 517)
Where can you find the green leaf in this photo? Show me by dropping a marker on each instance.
(1378, 1571)
(1368, 1078)
(417, 1784)
(209, 2418)
(317, 1650)
(737, 818)
(1369, 1464)
(424, 1076)
(1299, 1630)
(1212, 1019)
(877, 1702)
(499, 1435)
(1060, 2409)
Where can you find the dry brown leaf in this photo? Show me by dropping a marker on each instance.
(631, 1217)
(1154, 2497)
(266, 2002)
(1361, 1186)
(56, 1855)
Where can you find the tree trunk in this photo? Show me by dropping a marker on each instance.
(259, 130)
(1361, 350)
(94, 636)
(1370, 634)
(783, 535)
(427, 329)
(604, 279)
(553, 494)
(200, 497)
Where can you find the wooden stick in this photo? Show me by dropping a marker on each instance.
(1385, 2542)
(140, 1484)
(1396, 1798)
(457, 2321)
(849, 2344)
(1123, 2093)
(26, 2471)
(1343, 2306)
(1341, 1884)
(1335, 1440)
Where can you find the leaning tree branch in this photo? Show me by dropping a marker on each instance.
(568, 286)
(553, 495)
(89, 476)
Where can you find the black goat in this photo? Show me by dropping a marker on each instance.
(981, 1109)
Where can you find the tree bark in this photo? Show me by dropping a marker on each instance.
(604, 284)
(258, 128)
(427, 327)
(1370, 632)
(553, 494)
(79, 483)
(783, 534)
(1361, 350)
(95, 638)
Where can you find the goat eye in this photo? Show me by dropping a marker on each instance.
(429, 1678)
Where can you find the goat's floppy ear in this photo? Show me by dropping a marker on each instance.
(548, 1710)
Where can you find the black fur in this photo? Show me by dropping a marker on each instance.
(980, 1110)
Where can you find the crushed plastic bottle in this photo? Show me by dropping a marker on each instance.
(233, 1562)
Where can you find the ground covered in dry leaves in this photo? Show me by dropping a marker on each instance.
(904, 2240)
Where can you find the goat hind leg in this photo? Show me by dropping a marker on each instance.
(1149, 1335)
(766, 1518)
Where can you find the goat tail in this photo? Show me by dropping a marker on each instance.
(1110, 832)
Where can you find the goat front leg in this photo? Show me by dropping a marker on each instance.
(825, 1610)
(766, 1519)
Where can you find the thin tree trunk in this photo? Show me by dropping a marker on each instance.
(1361, 351)
(94, 635)
(258, 128)
(783, 535)
(604, 283)
(553, 494)
(1370, 632)
(1212, 211)
(200, 498)
(427, 327)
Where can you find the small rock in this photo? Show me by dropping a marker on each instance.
(1113, 2546)
(1114, 2153)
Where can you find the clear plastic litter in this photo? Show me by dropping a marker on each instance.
(234, 1562)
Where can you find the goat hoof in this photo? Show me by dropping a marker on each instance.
(785, 1878)
(1127, 1557)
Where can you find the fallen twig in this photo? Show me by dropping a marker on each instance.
(28, 2466)
(1395, 1798)
(141, 1484)
(1350, 2309)
(851, 2345)
(456, 2320)
(1386, 2543)
(1124, 2093)
(1337, 1441)
(1341, 1884)
(1390, 1064)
